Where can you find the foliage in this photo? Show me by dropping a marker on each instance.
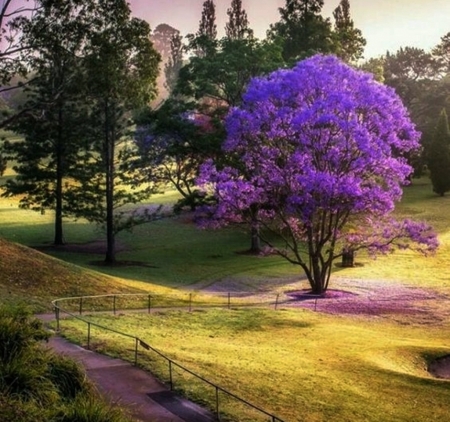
(36, 385)
(174, 62)
(302, 30)
(203, 43)
(439, 156)
(321, 157)
(188, 128)
(48, 156)
(349, 39)
(172, 143)
(237, 26)
(121, 68)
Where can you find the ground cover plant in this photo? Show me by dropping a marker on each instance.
(36, 385)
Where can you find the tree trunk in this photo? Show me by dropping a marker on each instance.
(110, 257)
(59, 238)
(255, 246)
(348, 258)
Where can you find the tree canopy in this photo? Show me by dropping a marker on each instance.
(320, 150)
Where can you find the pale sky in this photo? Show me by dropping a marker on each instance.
(386, 24)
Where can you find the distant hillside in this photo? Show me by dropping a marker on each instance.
(27, 275)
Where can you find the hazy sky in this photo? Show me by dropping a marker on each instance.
(386, 24)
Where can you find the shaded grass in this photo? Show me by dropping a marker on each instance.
(296, 364)
(34, 278)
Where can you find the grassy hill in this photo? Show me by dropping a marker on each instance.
(29, 276)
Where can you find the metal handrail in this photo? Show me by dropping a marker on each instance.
(143, 344)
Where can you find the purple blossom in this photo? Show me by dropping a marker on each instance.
(321, 150)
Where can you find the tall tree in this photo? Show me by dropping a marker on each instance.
(207, 26)
(203, 42)
(237, 26)
(441, 55)
(322, 156)
(350, 41)
(48, 156)
(174, 63)
(162, 37)
(121, 70)
(302, 30)
(439, 156)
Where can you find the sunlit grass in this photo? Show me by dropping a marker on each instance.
(297, 364)
(419, 203)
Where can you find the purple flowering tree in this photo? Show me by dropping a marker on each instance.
(319, 155)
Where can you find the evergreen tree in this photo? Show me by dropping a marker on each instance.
(121, 69)
(174, 63)
(237, 26)
(48, 156)
(350, 42)
(439, 156)
(204, 41)
(302, 30)
(207, 26)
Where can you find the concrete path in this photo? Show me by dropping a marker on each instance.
(147, 399)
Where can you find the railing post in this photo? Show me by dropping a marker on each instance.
(276, 301)
(229, 300)
(149, 303)
(89, 336)
(170, 375)
(114, 304)
(81, 305)
(190, 302)
(57, 315)
(217, 403)
(136, 344)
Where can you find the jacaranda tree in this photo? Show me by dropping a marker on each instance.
(319, 154)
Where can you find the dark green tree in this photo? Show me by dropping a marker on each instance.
(47, 158)
(121, 69)
(439, 156)
(237, 26)
(441, 55)
(302, 30)
(411, 72)
(216, 82)
(350, 41)
(207, 26)
(203, 42)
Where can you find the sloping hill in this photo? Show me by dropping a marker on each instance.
(27, 275)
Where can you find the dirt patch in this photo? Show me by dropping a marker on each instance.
(440, 368)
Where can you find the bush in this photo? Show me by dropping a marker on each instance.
(67, 376)
(88, 408)
(39, 386)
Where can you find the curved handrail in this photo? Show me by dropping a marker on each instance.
(139, 341)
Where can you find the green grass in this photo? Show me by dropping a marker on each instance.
(418, 203)
(297, 364)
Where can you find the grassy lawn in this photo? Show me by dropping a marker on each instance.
(296, 363)
(300, 365)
